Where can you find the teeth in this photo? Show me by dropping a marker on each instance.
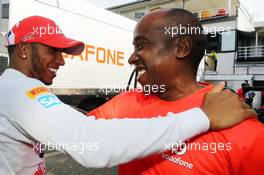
(53, 70)
(141, 72)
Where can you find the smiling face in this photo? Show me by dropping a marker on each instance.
(166, 60)
(45, 62)
(155, 63)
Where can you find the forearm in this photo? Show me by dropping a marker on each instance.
(122, 140)
(119, 140)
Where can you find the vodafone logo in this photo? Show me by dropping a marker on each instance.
(177, 160)
(180, 150)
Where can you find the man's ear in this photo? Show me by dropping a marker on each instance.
(183, 47)
(23, 50)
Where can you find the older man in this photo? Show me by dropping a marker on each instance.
(171, 60)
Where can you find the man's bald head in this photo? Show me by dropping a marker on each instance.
(174, 24)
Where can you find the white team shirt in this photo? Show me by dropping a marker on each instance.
(30, 114)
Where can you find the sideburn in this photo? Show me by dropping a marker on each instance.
(36, 67)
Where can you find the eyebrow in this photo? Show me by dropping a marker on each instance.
(139, 38)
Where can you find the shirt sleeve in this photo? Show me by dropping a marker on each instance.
(97, 143)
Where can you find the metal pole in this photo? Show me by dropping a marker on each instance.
(245, 53)
(257, 50)
(229, 6)
(58, 3)
(256, 38)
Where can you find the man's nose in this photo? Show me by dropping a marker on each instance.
(133, 58)
(60, 59)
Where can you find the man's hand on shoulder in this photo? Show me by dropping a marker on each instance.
(224, 108)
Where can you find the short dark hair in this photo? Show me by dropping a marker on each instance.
(10, 50)
(175, 17)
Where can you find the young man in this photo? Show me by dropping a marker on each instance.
(172, 61)
(32, 117)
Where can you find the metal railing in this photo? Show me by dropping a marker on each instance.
(250, 53)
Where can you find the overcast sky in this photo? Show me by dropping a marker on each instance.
(254, 6)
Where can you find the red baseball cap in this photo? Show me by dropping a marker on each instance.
(38, 29)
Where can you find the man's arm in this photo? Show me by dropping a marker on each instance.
(224, 108)
(46, 119)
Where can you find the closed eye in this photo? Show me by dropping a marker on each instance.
(139, 43)
(138, 47)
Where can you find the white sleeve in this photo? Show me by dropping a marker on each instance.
(107, 142)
